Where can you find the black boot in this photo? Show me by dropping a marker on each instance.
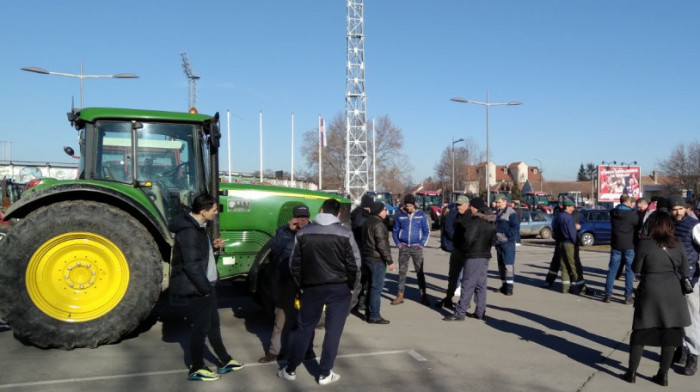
(661, 378)
(680, 356)
(630, 376)
(691, 365)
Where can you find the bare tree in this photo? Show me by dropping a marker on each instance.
(464, 157)
(393, 169)
(683, 165)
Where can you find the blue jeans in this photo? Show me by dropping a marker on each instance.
(615, 258)
(376, 285)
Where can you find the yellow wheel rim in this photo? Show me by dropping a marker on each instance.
(77, 277)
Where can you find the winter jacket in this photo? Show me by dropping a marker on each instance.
(188, 268)
(479, 235)
(411, 229)
(449, 219)
(564, 228)
(325, 252)
(507, 226)
(281, 249)
(358, 217)
(375, 241)
(688, 232)
(623, 221)
(659, 301)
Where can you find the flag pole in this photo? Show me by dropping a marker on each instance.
(228, 137)
(320, 153)
(291, 171)
(261, 148)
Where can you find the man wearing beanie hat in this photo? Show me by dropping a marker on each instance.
(449, 222)
(477, 236)
(358, 217)
(688, 233)
(376, 255)
(411, 232)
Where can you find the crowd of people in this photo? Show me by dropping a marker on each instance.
(656, 244)
(323, 267)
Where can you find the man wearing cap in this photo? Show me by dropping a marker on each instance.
(411, 232)
(564, 229)
(507, 232)
(376, 255)
(449, 221)
(325, 264)
(280, 250)
(688, 233)
(623, 222)
(477, 236)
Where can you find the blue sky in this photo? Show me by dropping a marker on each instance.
(600, 80)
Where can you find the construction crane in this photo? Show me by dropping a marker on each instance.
(191, 81)
(357, 166)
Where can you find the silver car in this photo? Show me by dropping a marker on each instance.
(535, 223)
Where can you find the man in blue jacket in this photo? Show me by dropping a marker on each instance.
(411, 232)
(688, 234)
(564, 230)
(507, 232)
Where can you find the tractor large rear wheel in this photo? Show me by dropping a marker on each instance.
(77, 274)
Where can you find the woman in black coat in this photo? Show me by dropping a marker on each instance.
(660, 308)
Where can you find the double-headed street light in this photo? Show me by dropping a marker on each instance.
(80, 76)
(453, 160)
(488, 105)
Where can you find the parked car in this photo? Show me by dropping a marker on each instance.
(595, 227)
(535, 223)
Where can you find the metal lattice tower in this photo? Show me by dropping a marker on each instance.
(191, 80)
(357, 166)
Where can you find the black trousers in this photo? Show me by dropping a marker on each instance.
(204, 315)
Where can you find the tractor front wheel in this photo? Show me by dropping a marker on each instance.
(78, 274)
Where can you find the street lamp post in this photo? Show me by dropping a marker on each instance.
(488, 105)
(453, 160)
(80, 76)
(541, 171)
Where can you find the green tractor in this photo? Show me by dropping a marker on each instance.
(87, 259)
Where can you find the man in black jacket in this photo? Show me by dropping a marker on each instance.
(358, 217)
(325, 265)
(376, 255)
(449, 223)
(193, 279)
(479, 234)
(280, 251)
(623, 220)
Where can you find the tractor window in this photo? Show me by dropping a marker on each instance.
(114, 151)
(165, 157)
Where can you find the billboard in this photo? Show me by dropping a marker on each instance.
(614, 181)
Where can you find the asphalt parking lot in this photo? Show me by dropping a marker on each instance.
(536, 340)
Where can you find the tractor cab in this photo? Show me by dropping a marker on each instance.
(160, 153)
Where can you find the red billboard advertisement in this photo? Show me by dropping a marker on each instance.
(614, 181)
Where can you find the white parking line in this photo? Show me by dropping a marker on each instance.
(411, 352)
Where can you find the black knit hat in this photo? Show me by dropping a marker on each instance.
(376, 208)
(676, 201)
(479, 204)
(366, 201)
(409, 199)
